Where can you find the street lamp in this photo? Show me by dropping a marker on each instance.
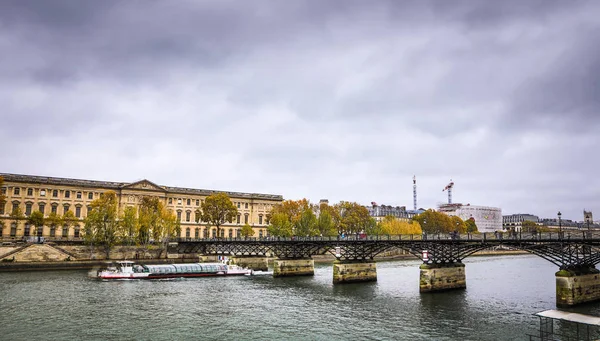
(559, 222)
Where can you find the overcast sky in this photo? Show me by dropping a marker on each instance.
(344, 100)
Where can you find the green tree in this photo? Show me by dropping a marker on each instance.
(458, 224)
(307, 224)
(150, 214)
(54, 220)
(68, 220)
(280, 225)
(217, 209)
(169, 227)
(434, 222)
(354, 218)
(129, 225)
(103, 221)
(16, 216)
(325, 224)
(247, 231)
(36, 219)
(471, 226)
(529, 226)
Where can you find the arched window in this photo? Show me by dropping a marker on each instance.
(188, 215)
(230, 233)
(66, 208)
(28, 208)
(13, 230)
(55, 193)
(187, 232)
(55, 208)
(76, 231)
(27, 231)
(179, 215)
(42, 207)
(238, 218)
(260, 219)
(52, 231)
(246, 218)
(65, 231)
(15, 206)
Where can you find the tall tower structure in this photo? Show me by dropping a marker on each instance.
(449, 189)
(415, 192)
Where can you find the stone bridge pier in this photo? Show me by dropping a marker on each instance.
(348, 271)
(441, 277)
(577, 285)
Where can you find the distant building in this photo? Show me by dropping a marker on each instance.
(488, 219)
(588, 218)
(381, 211)
(515, 221)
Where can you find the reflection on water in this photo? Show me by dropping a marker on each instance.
(501, 296)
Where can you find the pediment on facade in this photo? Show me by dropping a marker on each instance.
(37, 253)
(144, 185)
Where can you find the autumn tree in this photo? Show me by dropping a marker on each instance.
(458, 224)
(149, 216)
(169, 227)
(129, 225)
(36, 219)
(68, 220)
(53, 221)
(434, 222)
(307, 224)
(471, 227)
(394, 226)
(103, 221)
(280, 225)
(354, 218)
(2, 196)
(325, 224)
(529, 226)
(16, 216)
(247, 231)
(217, 209)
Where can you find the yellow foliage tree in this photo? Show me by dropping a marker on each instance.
(393, 226)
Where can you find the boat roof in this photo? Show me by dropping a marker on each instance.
(125, 262)
(571, 317)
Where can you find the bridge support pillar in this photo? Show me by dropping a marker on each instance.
(293, 267)
(354, 271)
(255, 263)
(440, 277)
(577, 286)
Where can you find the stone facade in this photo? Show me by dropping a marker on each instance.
(440, 277)
(48, 194)
(293, 267)
(348, 272)
(576, 288)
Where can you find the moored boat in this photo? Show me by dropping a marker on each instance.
(130, 270)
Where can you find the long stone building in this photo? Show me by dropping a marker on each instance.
(49, 194)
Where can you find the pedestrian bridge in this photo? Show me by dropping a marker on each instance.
(574, 252)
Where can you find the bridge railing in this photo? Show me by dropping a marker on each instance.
(487, 236)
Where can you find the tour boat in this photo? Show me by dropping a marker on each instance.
(130, 270)
(258, 273)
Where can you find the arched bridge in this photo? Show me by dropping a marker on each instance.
(575, 252)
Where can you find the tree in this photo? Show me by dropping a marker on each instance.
(325, 224)
(354, 218)
(434, 222)
(2, 196)
(394, 226)
(529, 226)
(16, 216)
(458, 224)
(217, 209)
(36, 219)
(68, 220)
(470, 225)
(129, 225)
(169, 227)
(280, 225)
(247, 231)
(103, 222)
(150, 212)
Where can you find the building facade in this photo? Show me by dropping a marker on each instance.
(488, 219)
(515, 221)
(59, 195)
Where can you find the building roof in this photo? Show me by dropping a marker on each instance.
(118, 185)
(571, 317)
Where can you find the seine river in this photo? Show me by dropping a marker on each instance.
(503, 293)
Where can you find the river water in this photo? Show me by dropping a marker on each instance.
(503, 292)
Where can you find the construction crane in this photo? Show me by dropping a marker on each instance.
(415, 192)
(449, 189)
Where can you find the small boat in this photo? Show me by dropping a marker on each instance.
(130, 270)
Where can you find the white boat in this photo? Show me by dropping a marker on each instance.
(130, 270)
(258, 273)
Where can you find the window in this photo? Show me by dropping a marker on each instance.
(206, 233)
(246, 218)
(17, 191)
(238, 218)
(2, 208)
(189, 202)
(28, 208)
(55, 208)
(238, 205)
(187, 215)
(67, 194)
(246, 206)
(170, 201)
(30, 192)
(197, 202)
(179, 215)
(238, 233)
(187, 232)
(13, 230)
(78, 195)
(42, 206)
(42, 192)
(260, 233)
(15, 206)
(65, 231)
(260, 219)
(66, 209)
(197, 233)
(179, 201)
(101, 195)
(27, 231)
(90, 196)
(230, 233)
(52, 231)
(55, 193)
(89, 210)
(214, 233)
(78, 211)
(76, 231)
